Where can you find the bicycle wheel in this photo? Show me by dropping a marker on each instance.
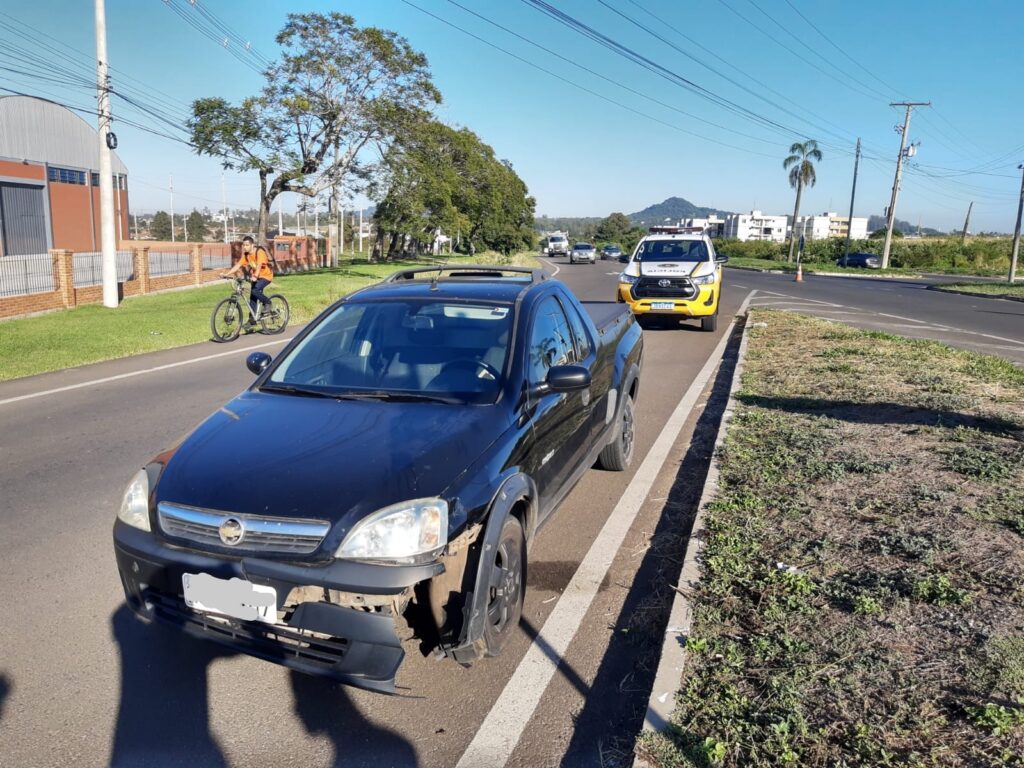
(226, 321)
(275, 319)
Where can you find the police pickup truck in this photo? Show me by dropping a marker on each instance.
(387, 471)
(674, 273)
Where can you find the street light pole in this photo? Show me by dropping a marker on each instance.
(108, 242)
(853, 196)
(1016, 230)
(891, 214)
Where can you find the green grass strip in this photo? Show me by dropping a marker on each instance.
(93, 333)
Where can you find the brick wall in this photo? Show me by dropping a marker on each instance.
(66, 295)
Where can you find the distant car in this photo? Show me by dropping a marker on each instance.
(611, 252)
(863, 260)
(583, 252)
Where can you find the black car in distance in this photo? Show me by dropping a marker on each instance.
(611, 252)
(862, 260)
(391, 466)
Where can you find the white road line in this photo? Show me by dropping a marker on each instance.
(500, 731)
(557, 268)
(131, 374)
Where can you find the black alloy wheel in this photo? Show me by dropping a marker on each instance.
(505, 586)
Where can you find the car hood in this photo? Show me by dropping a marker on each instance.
(336, 460)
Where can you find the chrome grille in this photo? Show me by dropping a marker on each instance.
(259, 533)
(676, 288)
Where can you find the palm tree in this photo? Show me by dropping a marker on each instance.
(801, 174)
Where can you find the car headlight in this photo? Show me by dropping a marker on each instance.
(704, 279)
(135, 504)
(627, 279)
(407, 533)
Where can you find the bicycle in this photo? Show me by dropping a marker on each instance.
(231, 314)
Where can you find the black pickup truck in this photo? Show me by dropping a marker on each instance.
(386, 474)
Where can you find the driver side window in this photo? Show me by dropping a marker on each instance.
(550, 340)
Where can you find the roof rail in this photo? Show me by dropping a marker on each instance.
(465, 270)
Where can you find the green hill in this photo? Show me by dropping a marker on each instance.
(674, 208)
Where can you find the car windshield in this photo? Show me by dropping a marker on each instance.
(673, 250)
(402, 350)
(583, 247)
(556, 239)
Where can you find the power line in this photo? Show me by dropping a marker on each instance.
(583, 88)
(607, 79)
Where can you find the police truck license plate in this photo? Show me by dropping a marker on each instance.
(662, 305)
(234, 597)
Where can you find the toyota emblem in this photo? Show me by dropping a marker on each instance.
(231, 531)
(664, 283)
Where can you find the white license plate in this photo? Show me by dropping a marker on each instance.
(234, 597)
(662, 305)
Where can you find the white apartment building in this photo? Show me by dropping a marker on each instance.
(713, 225)
(756, 226)
(830, 224)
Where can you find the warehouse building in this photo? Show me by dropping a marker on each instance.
(49, 180)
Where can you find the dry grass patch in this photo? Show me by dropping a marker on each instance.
(862, 598)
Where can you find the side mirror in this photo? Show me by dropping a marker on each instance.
(721, 258)
(257, 362)
(567, 378)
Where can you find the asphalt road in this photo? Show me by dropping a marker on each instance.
(82, 682)
(905, 307)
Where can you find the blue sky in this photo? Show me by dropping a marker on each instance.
(586, 146)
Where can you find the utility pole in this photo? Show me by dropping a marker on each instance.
(967, 223)
(891, 213)
(360, 231)
(280, 221)
(108, 244)
(224, 206)
(136, 226)
(1016, 231)
(316, 217)
(853, 196)
(172, 208)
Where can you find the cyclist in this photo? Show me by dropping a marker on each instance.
(256, 266)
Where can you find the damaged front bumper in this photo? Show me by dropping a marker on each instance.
(354, 645)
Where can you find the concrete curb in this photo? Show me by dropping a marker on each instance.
(667, 680)
(862, 275)
(940, 289)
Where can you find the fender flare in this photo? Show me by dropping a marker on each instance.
(517, 488)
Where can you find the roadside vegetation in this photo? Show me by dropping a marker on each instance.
(862, 590)
(988, 256)
(1004, 290)
(92, 333)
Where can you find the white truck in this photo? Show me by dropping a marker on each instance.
(556, 244)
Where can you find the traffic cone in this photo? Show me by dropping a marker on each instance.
(799, 273)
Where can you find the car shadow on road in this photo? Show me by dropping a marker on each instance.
(164, 717)
(326, 709)
(5, 690)
(614, 710)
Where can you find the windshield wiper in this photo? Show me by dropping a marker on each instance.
(291, 389)
(398, 397)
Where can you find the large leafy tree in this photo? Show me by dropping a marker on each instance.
(801, 174)
(613, 228)
(435, 177)
(337, 90)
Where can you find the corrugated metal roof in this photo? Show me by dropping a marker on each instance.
(39, 130)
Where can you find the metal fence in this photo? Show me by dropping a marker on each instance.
(88, 268)
(22, 275)
(162, 263)
(216, 256)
